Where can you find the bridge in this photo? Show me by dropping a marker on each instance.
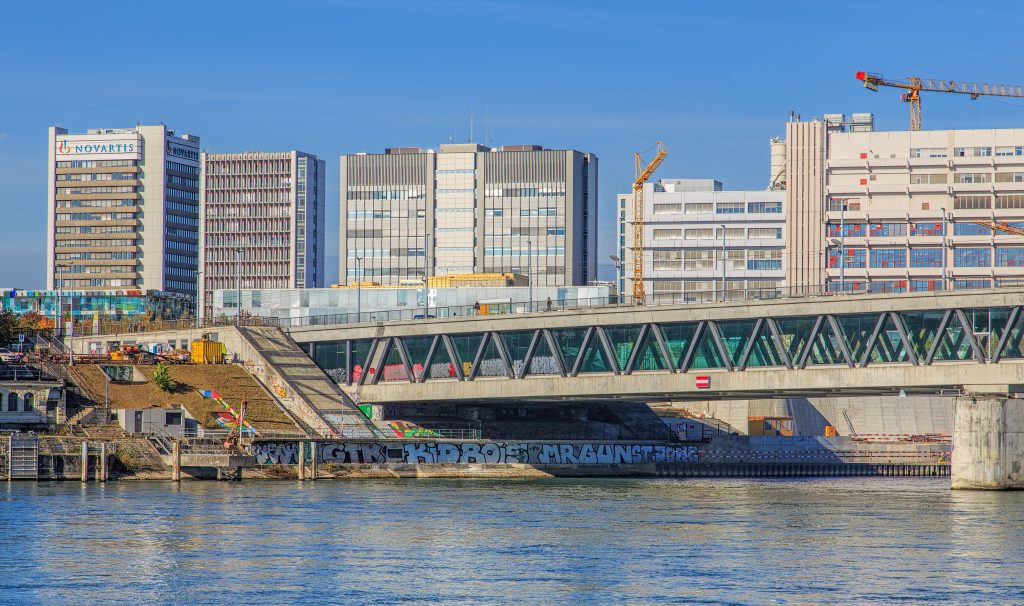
(935, 342)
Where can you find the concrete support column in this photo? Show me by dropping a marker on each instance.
(101, 471)
(85, 461)
(302, 459)
(988, 444)
(316, 452)
(176, 461)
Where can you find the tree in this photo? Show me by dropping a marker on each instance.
(8, 327)
(163, 379)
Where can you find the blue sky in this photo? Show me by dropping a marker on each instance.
(713, 80)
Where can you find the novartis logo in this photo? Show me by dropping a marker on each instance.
(94, 148)
(64, 148)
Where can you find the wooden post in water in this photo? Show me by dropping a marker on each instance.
(176, 461)
(314, 465)
(85, 461)
(302, 460)
(101, 473)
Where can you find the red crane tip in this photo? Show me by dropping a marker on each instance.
(862, 75)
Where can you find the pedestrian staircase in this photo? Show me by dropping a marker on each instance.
(302, 388)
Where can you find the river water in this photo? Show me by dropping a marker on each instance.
(721, 541)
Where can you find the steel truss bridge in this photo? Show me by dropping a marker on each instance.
(870, 344)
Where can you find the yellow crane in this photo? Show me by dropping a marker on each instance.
(915, 86)
(1003, 227)
(639, 293)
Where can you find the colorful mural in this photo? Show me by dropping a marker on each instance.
(229, 419)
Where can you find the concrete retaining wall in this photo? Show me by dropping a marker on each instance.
(988, 444)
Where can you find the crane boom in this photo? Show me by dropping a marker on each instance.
(639, 293)
(916, 85)
(1003, 227)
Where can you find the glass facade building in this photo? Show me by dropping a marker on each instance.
(469, 208)
(107, 305)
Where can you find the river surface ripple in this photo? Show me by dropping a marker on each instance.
(722, 541)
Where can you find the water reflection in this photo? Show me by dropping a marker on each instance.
(860, 540)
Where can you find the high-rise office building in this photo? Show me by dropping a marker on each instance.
(893, 211)
(686, 247)
(469, 209)
(122, 209)
(263, 222)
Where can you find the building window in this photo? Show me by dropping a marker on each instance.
(972, 178)
(970, 229)
(668, 234)
(700, 234)
(28, 402)
(889, 257)
(972, 202)
(698, 208)
(972, 257)
(729, 208)
(927, 229)
(667, 209)
(888, 229)
(887, 286)
(926, 257)
(668, 259)
(928, 179)
(1010, 201)
(970, 283)
(764, 207)
(765, 233)
(968, 152)
(856, 258)
(925, 285)
(1010, 256)
(172, 418)
(12, 402)
(848, 230)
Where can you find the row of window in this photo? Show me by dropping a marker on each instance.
(97, 177)
(249, 167)
(710, 233)
(182, 168)
(97, 203)
(180, 193)
(10, 403)
(722, 208)
(95, 163)
(110, 189)
(94, 256)
(186, 181)
(506, 251)
(95, 243)
(960, 228)
(854, 258)
(97, 229)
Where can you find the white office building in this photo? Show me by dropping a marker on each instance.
(696, 234)
(123, 210)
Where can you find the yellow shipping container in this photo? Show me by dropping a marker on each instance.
(208, 352)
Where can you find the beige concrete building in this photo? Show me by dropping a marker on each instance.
(123, 209)
(468, 208)
(893, 211)
(263, 222)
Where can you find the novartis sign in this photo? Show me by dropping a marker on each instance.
(69, 148)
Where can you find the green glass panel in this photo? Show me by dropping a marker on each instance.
(706, 354)
(888, 347)
(825, 348)
(594, 357)
(921, 328)
(649, 356)
(543, 361)
(569, 341)
(517, 343)
(360, 349)
(391, 368)
(954, 344)
(1014, 348)
(329, 355)
(735, 335)
(466, 347)
(418, 348)
(623, 339)
(764, 352)
(491, 364)
(857, 329)
(795, 332)
(678, 338)
(988, 324)
(442, 367)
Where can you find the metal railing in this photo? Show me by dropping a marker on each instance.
(732, 295)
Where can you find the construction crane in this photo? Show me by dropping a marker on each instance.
(1003, 227)
(639, 293)
(915, 86)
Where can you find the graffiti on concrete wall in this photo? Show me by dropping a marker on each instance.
(533, 453)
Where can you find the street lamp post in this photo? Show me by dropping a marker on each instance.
(426, 276)
(238, 286)
(359, 289)
(945, 228)
(529, 272)
(842, 246)
(618, 276)
(724, 263)
(199, 291)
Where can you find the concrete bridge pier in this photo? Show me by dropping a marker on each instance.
(988, 443)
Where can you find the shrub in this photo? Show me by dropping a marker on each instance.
(163, 379)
